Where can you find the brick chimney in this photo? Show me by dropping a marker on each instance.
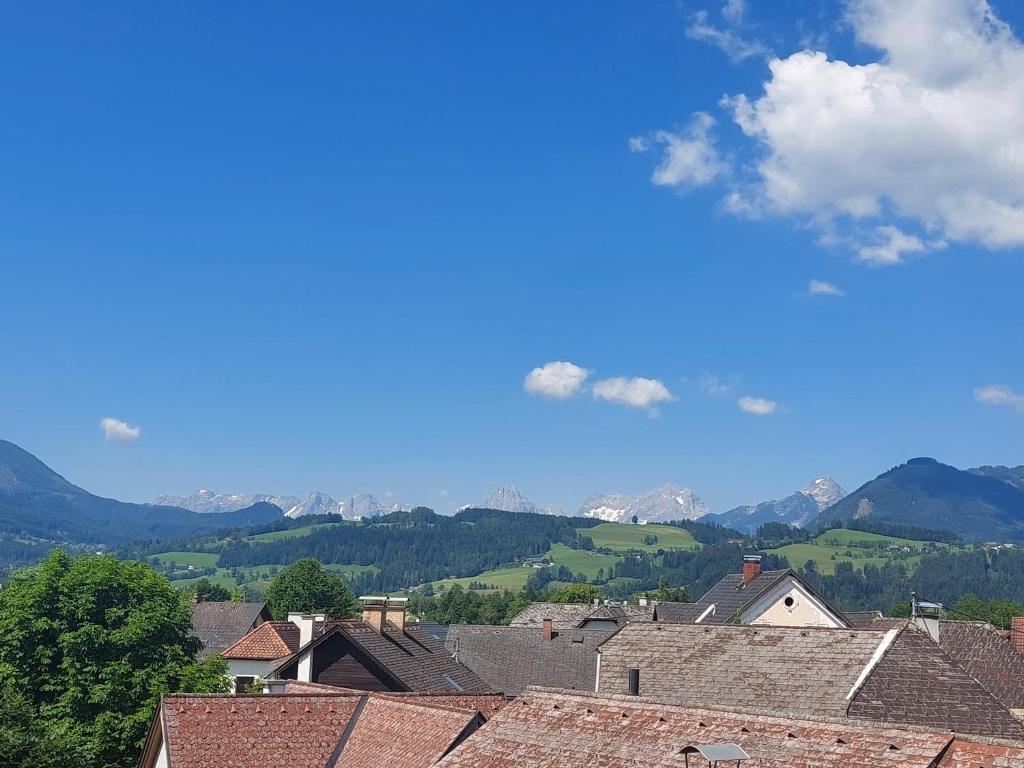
(751, 568)
(374, 609)
(548, 629)
(1017, 632)
(394, 611)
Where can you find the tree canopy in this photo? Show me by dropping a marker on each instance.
(87, 646)
(304, 586)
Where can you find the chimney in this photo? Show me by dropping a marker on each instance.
(306, 623)
(644, 600)
(751, 568)
(548, 631)
(374, 608)
(394, 611)
(273, 685)
(634, 682)
(1017, 632)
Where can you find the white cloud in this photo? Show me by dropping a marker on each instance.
(715, 385)
(896, 156)
(115, 429)
(690, 158)
(998, 394)
(558, 380)
(734, 46)
(823, 288)
(734, 10)
(891, 243)
(757, 406)
(636, 392)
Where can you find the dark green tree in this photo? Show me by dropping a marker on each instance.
(576, 593)
(304, 586)
(207, 591)
(88, 645)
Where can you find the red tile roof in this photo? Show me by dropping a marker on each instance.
(562, 729)
(487, 704)
(400, 734)
(304, 730)
(983, 753)
(270, 640)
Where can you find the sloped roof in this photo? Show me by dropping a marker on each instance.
(402, 734)
(270, 640)
(917, 682)
(487, 704)
(989, 657)
(807, 672)
(562, 615)
(983, 753)
(220, 624)
(510, 658)
(620, 614)
(413, 657)
(561, 729)
(307, 730)
(678, 613)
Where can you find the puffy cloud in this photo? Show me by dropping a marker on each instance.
(823, 288)
(998, 394)
(636, 392)
(559, 380)
(734, 46)
(690, 156)
(115, 429)
(757, 406)
(896, 156)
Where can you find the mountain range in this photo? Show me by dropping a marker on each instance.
(315, 503)
(797, 509)
(511, 499)
(981, 504)
(669, 502)
(36, 501)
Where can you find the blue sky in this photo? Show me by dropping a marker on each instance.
(323, 247)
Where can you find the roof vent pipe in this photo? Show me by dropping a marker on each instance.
(634, 682)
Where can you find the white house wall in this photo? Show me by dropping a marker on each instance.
(806, 609)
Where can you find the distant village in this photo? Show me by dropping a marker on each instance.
(761, 671)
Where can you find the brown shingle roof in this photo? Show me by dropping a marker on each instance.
(807, 672)
(989, 658)
(559, 729)
(917, 682)
(218, 625)
(270, 640)
(414, 658)
(510, 658)
(306, 730)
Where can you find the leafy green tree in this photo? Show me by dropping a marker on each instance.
(304, 586)
(207, 591)
(666, 593)
(88, 645)
(576, 593)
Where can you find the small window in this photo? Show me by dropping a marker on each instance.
(243, 683)
(789, 602)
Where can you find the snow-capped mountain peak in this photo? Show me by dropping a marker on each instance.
(316, 503)
(669, 502)
(825, 491)
(511, 499)
(207, 501)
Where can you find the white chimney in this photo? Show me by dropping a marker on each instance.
(305, 622)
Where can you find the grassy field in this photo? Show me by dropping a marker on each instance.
(620, 537)
(197, 559)
(831, 547)
(290, 533)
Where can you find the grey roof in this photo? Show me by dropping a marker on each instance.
(678, 613)
(863, 618)
(562, 615)
(805, 672)
(511, 658)
(916, 682)
(989, 657)
(218, 625)
(620, 614)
